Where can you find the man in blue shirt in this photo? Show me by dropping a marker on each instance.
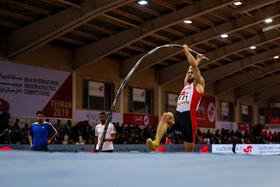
(39, 132)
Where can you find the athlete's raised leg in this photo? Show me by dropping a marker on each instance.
(166, 121)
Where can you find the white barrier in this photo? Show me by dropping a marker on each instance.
(253, 149)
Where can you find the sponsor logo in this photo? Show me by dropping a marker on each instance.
(146, 120)
(143, 94)
(205, 149)
(6, 149)
(211, 112)
(248, 150)
(161, 149)
(138, 119)
(224, 149)
(100, 89)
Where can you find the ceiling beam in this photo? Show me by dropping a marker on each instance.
(145, 9)
(251, 7)
(17, 15)
(257, 86)
(69, 3)
(29, 37)
(268, 93)
(26, 6)
(241, 79)
(219, 54)
(120, 40)
(205, 36)
(8, 24)
(170, 73)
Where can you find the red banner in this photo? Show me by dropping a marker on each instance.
(244, 126)
(274, 120)
(60, 106)
(206, 113)
(140, 119)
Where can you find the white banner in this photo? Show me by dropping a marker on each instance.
(275, 105)
(27, 89)
(225, 107)
(262, 120)
(172, 99)
(93, 116)
(96, 89)
(254, 149)
(244, 109)
(139, 95)
(226, 125)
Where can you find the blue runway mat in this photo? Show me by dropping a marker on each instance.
(26, 168)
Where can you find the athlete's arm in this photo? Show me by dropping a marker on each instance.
(194, 63)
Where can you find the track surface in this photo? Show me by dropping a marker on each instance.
(26, 168)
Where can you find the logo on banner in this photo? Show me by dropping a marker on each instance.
(138, 95)
(248, 150)
(143, 95)
(211, 112)
(101, 89)
(146, 120)
(205, 149)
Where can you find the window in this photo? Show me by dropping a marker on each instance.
(140, 101)
(171, 102)
(227, 111)
(246, 113)
(97, 95)
(261, 116)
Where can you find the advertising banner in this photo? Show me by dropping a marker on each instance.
(140, 119)
(96, 89)
(226, 125)
(275, 105)
(93, 116)
(244, 109)
(244, 126)
(139, 95)
(206, 113)
(225, 107)
(274, 120)
(26, 89)
(254, 149)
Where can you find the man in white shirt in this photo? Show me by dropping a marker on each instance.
(109, 137)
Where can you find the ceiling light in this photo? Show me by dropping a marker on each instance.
(276, 57)
(253, 47)
(237, 3)
(188, 21)
(224, 35)
(142, 2)
(268, 20)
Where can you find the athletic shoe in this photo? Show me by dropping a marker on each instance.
(153, 145)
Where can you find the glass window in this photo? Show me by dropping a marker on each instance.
(246, 113)
(140, 101)
(227, 113)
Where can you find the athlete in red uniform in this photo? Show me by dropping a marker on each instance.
(184, 119)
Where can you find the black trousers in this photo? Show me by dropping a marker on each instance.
(44, 148)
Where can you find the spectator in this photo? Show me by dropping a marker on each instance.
(4, 119)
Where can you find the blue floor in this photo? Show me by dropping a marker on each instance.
(26, 168)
